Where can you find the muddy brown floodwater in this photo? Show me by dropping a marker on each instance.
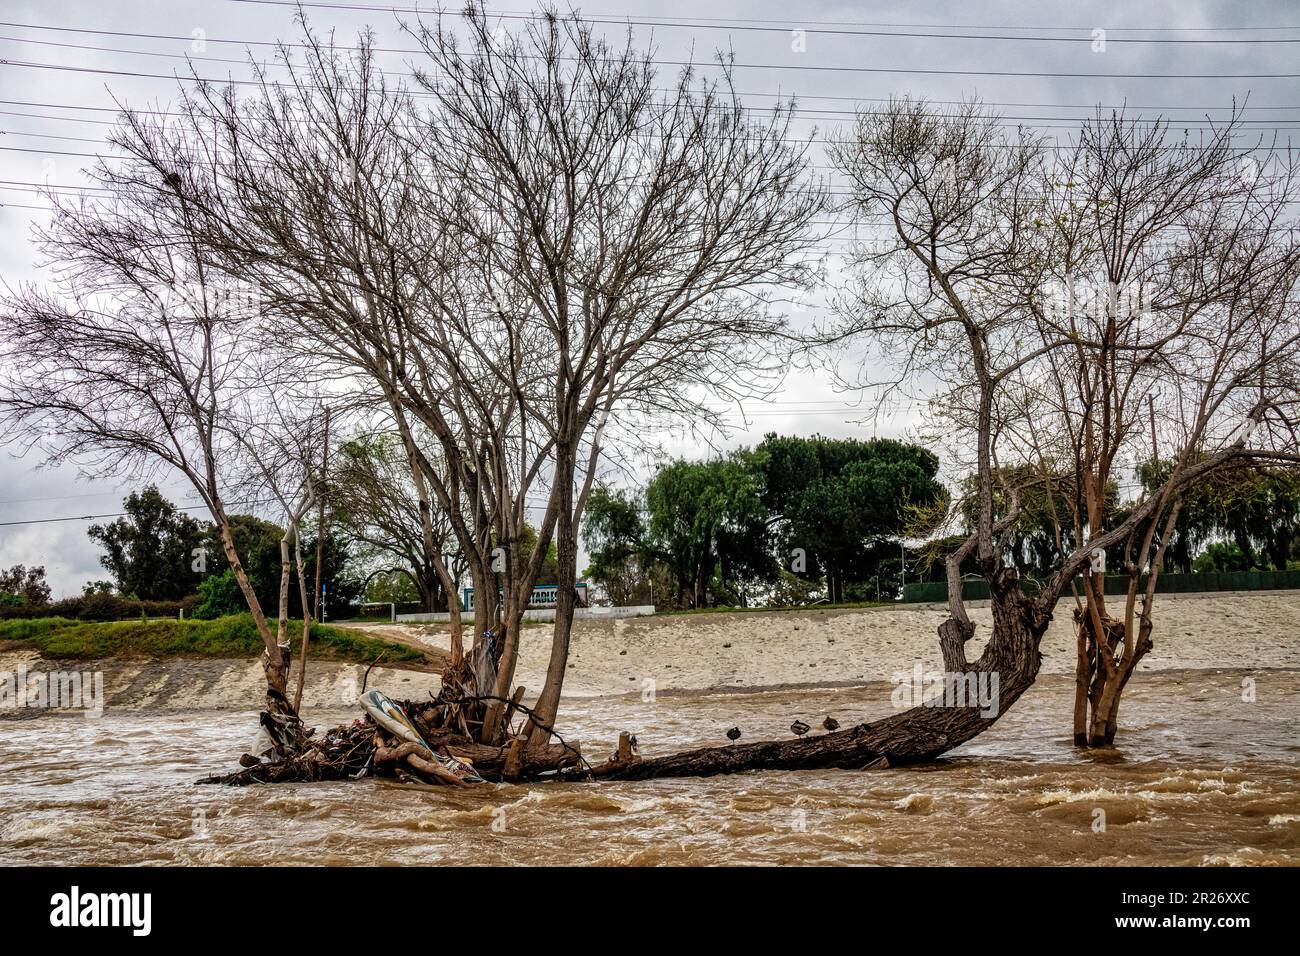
(1200, 777)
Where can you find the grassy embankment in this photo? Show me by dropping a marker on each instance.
(234, 636)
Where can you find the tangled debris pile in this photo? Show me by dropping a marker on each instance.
(425, 742)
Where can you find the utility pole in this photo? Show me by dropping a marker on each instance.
(320, 514)
(1155, 452)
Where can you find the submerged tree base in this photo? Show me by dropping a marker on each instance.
(365, 749)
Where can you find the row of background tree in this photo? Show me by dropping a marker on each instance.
(790, 521)
(797, 519)
(160, 559)
(1242, 518)
(782, 523)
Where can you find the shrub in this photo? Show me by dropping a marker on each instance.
(219, 595)
(99, 607)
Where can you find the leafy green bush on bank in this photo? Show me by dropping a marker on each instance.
(99, 607)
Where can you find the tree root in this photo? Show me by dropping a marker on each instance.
(363, 748)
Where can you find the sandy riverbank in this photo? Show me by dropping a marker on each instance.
(1243, 629)
(736, 651)
(206, 684)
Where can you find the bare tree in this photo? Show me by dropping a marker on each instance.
(1175, 267)
(978, 229)
(379, 507)
(128, 362)
(620, 241)
(1191, 321)
(311, 191)
(543, 244)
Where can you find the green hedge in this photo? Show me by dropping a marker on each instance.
(101, 607)
(978, 589)
(234, 636)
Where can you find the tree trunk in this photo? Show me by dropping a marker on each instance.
(520, 579)
(1082, 679)
(912, 736)
(282, 625)
(566, 547)
(1101, 678)
(1243, 543)
(425, 584)
(275, 657)
(494, 717)
(306, 625)
(1105, 715)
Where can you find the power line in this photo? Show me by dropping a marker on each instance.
(91, 494)
(1038, 122)
(1035, 121)
(807, 67)
(797, 96)
(53, 186)
(620, 18)
(1053, 147)
(743, 25)
(124, 514)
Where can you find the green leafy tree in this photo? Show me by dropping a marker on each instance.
(392, 587)
(150, 551)
(832, 502)
(21, 585)
(257, 541)
(614, 533)
(219, 595)
(1255, 507)
(1221, 556)
(342, 584)
(708, 523)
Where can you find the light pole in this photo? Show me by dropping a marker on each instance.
(902, 561)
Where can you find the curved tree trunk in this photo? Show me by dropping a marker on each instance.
(915, 735)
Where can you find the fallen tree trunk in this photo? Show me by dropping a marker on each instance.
(919, 734)
(912, 736)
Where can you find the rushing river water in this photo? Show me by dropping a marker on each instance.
(1201, 777)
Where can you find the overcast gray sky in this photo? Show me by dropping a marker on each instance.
(57, 88)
